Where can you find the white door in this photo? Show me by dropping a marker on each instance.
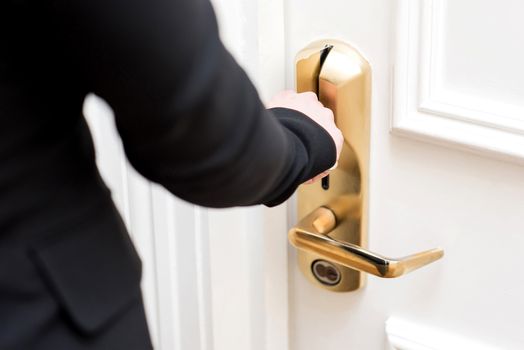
(446, 170)
(447, 155)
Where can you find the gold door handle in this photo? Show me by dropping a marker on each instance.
(312, 235)
(333, 229)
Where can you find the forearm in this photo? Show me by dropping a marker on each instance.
(188, 115)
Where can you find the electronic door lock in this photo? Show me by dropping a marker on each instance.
(332, 232)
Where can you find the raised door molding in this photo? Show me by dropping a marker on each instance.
(405, 335)
(430, 103)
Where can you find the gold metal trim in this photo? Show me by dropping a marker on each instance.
(334, 221)
(311, 234)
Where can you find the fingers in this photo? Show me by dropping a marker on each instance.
(309, 94)
(308, 104)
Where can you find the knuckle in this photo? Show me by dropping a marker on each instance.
(329, 113)
(309, 94)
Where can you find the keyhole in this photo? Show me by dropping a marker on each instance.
(325, 272)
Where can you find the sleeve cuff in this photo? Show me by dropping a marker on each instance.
(314, 151)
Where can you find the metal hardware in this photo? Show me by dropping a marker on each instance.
(325, 272)
(334, 221)
(311, 234)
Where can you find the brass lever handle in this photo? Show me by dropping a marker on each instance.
(312, 235)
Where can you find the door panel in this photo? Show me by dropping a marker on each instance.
(457, 76)
(404, 335)
(429, 189)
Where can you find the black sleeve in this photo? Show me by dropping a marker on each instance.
(188, 115)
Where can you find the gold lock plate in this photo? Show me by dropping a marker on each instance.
(343, 83)
(332, 231)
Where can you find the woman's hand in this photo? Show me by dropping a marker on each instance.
(308, 104)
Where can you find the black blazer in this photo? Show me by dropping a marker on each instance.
(189, 119)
